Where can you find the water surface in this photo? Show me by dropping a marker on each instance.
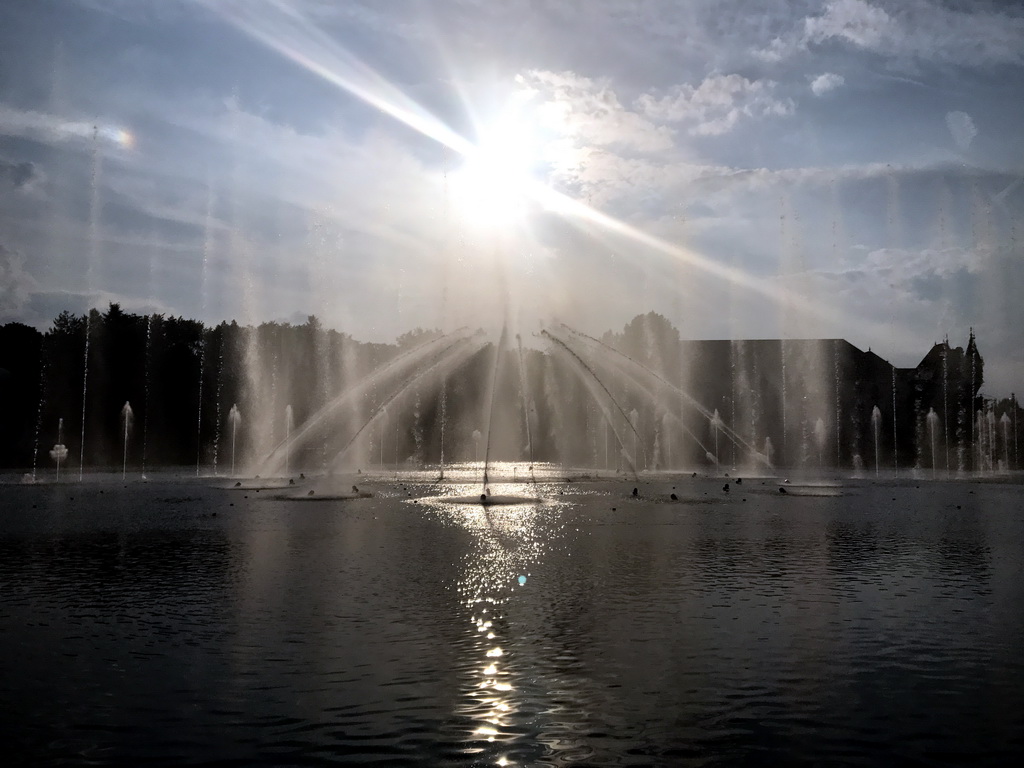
(178, 623)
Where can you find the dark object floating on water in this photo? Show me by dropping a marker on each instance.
(694, 474)
(781, 489)
(636, 492)
(739, 481)
(310, 493)
(613, 509)
(674, 497)
(725, 487)
(355, 489)
(238, 484)
(301, 476)
(291, 481)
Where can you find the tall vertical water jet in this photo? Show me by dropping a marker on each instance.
(444, 419)
(978, 424)
(1004, 421)
(945, 400)
(126, 423)
(782, 355)
(216, 420)
(524, 396)
(289, 422)
(398, 411)
(732, 399)
(234, 419)
(59, 452)
(839, 406)
(876, 428)
(145, 384)
(974, 391)
(933, 433)
(634, 422)
(895, 433)
(1013, 402)
(492, 388)
(607, 438)
(820, 437)
(993, 449)
(716, 424)
(43, 363)
(201, 352)
(94, 246)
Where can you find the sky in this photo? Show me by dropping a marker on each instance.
(776, 169)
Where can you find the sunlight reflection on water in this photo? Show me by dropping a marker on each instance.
(507, 540)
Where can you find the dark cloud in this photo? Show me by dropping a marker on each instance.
(18, 174)
(16, 284)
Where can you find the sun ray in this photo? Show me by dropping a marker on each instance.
(295, 37)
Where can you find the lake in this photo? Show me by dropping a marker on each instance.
(182, 621)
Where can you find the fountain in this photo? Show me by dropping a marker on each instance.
(876, 427)
(716, 426)
(820, 438)
(59, 452)
(933, 429)
(234, 419)
(289, 422)
(200, 351)
(126, 423)
(1004, 421)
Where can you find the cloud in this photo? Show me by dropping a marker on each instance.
(920, 30)
(961, 126)
(16, 285)
(856, 21)
(826, 82)
(19, 175)
(589, 111)
(716, 105)
(47, 128)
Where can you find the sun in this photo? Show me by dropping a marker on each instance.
(493, 188)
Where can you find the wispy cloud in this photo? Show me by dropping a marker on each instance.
(826, 82)
(909, 30)
(716, 105)
(961, 127)
(43, 127)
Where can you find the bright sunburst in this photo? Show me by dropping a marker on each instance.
(492, 189)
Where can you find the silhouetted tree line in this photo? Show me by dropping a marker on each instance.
(797, 402)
